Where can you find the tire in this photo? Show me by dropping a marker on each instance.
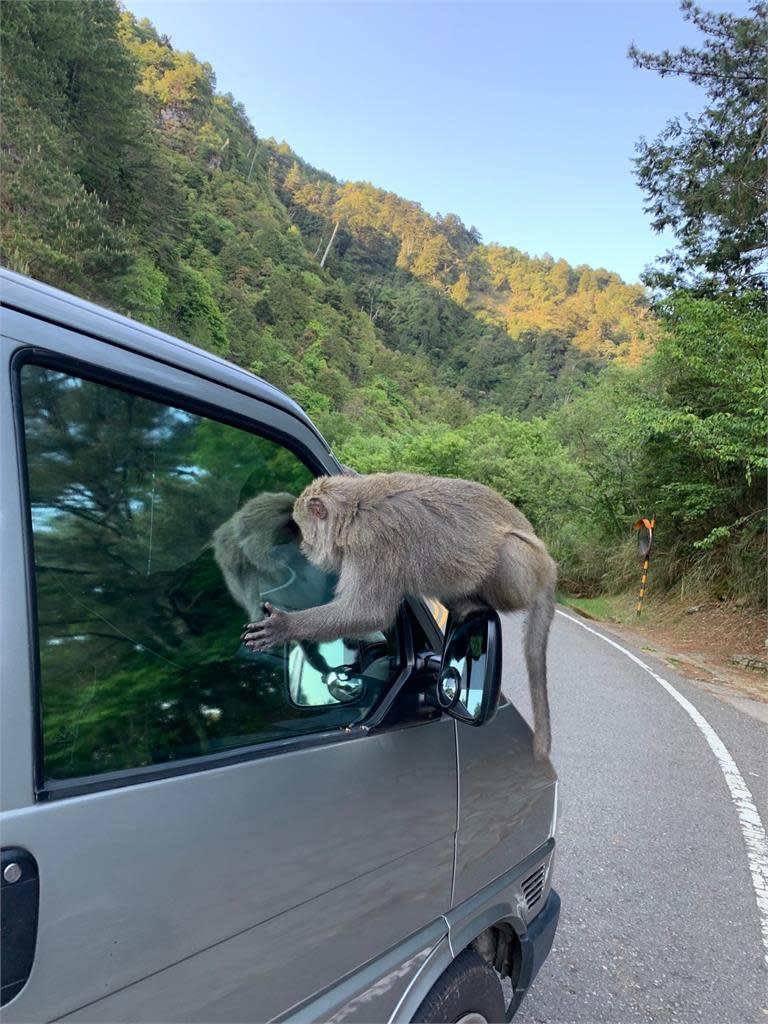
(467, 988)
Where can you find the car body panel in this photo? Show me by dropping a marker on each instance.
(505, 802)
(173, 894)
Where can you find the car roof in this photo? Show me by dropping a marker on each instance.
(46, 303)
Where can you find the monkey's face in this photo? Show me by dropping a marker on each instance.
(315, 514)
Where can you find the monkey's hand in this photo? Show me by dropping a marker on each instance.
(275, 629)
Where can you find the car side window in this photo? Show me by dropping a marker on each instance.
(157, 533)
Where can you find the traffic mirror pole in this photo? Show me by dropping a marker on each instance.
(644, 542)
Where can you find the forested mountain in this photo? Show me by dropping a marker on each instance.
(128, 179)
(509, 330)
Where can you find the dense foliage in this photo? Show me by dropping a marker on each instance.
(128, 179)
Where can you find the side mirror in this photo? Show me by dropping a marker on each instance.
(314, 682)
(469, 683)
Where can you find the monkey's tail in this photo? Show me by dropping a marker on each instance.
(536, 634)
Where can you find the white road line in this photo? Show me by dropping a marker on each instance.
(749, 818)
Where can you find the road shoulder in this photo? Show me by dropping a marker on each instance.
(701, 651)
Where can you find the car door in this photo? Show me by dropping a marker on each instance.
(215, 835)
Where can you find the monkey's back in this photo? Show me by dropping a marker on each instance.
(435, 535)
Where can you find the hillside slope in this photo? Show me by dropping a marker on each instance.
(129, 181)
(512, 331)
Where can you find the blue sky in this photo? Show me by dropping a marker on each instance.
(520, 117)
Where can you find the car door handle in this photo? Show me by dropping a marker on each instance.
(19, 901)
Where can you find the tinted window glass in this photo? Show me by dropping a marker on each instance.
(157, 534)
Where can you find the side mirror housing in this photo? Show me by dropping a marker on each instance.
(469, 682)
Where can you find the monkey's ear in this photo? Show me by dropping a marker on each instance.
(317, 508)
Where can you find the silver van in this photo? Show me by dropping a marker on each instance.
(191, 832)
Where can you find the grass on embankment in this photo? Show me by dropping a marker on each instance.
(711, 633)
(606, 607)
(659, 610)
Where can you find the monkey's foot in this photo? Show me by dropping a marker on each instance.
(269, 632)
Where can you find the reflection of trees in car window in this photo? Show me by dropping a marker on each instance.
(140, 658)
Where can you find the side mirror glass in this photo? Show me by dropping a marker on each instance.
(469, 683)
(321, 676)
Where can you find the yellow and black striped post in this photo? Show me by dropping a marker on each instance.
(643, 584)
(645, 539)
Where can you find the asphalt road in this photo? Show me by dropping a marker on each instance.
(659, 920)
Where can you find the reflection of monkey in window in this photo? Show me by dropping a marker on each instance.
(257, 550)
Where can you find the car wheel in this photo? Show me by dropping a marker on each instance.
(467, 992)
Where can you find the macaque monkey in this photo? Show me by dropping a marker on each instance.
(389, 535)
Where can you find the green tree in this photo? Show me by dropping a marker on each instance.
(684, 436)
(705, 177)
(708, 445)
(293, 178)
(460, 290)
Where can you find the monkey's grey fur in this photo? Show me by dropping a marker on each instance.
(393, 534)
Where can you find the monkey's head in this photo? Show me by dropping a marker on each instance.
(323, 513)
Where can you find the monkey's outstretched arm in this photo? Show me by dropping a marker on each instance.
(325, 622)
(358, 608)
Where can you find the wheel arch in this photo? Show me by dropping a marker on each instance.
(471, 933)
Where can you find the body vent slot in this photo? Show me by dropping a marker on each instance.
(533, 887)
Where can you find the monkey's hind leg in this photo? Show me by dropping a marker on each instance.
(462, 607)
